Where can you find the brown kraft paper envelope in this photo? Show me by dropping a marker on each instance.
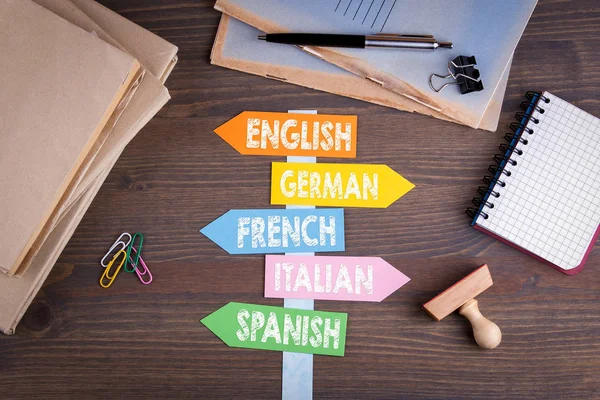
(74, 185)
(17, 294)
(66, 9)
(101, 156)
(52, 115)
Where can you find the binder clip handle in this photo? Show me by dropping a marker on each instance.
(462, 70)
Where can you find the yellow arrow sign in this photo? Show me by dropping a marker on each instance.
(336, 185)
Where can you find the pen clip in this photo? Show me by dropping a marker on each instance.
(106, 273)
(392, 35)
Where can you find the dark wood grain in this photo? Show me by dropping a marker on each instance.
(132, 341)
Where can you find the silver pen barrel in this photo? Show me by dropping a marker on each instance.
(405, 42)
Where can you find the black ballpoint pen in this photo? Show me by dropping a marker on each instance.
(380, 40)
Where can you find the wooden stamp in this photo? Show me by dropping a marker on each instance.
(461, 296)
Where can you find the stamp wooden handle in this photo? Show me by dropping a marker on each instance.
(487, 334)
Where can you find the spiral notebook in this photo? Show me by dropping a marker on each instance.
(544, 194)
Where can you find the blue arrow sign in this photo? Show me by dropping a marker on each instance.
(278, 231)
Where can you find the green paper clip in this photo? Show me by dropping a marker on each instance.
(137, 252)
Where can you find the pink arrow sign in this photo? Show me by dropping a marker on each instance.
(331, 278)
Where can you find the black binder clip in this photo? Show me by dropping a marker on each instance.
(466, 76)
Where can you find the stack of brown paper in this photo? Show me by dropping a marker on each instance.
(119, 38)
(61, 87)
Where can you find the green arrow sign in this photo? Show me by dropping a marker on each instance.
(254, 326)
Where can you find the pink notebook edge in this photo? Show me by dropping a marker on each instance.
(572, 271)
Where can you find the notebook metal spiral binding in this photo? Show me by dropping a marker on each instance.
(509, 157)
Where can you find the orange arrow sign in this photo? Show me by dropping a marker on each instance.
(285, 134)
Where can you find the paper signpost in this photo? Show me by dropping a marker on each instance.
(288, 134)
(331, 278)
(278, 231)
(341, 185)
(255, 326)
(303, 230)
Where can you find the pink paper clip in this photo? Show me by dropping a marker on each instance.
(142, 269)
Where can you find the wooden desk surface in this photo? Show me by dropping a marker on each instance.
(79, 340)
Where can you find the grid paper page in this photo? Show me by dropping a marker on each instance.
(550, 205)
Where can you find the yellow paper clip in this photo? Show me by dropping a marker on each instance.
(106, 274)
